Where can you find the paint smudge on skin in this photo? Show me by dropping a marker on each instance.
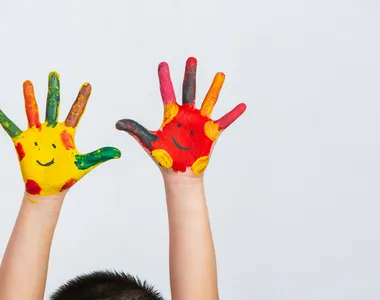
(67, 140)
(20, 151)
(68, 184)
(32, 187)
(32, 201)
(187, 134)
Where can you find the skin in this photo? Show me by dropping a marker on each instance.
(50, 165)
(26, 259)
(193, 272)
(49, 160)
(181, 148)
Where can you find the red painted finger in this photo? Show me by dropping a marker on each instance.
(31, 106)
(166, 85)
(231, 116)
(189, 82)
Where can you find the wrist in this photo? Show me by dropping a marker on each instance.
(185, 179)
(50, 201)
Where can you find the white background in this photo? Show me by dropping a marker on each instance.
(293, 186)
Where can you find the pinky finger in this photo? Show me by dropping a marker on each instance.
(231, 116)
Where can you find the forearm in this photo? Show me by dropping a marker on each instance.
(25, 263)
(193, 273)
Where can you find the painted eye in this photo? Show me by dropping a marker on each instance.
(191, 132)
(35, 143)
(54, 146)
(179, 125)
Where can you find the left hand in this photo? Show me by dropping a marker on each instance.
(49, 160)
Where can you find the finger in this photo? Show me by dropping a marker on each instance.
(31, 106)
(231, 117)
(78, 107)
(10, 127)
(166, 85)
(137, 130)
(85, 161)
(212, 95)
(189, 82)
(53, 99)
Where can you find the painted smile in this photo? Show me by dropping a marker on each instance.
(178, 145)
(47, 164)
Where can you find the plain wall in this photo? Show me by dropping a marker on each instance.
(292, 187)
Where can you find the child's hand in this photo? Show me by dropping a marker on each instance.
(187, 134)
(49, 160)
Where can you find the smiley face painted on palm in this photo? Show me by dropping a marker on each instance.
(187, 134)
(184, 138)
(49, 160)
(46, 154)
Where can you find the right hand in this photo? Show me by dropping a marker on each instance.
(184, 142)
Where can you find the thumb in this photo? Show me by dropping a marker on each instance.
(85, 161)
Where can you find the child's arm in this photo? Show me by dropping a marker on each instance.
(50, 164)
(193, 273)
(182, 148)
(25, 262)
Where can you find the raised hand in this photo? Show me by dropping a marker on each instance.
(187, 134)
(49, 160)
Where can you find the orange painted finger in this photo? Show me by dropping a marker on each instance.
(31, 106)
(212, 95)
(79, 106)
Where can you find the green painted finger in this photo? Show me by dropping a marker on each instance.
(85, 161)
(10, 127)
(53, 99)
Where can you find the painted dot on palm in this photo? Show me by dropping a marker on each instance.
(187, 134)
(49, 160)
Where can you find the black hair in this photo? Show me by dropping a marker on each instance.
(106, 285)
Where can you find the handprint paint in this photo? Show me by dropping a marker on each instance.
(49, 160)
(187, 134)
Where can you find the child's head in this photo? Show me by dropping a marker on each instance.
(106, 286)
